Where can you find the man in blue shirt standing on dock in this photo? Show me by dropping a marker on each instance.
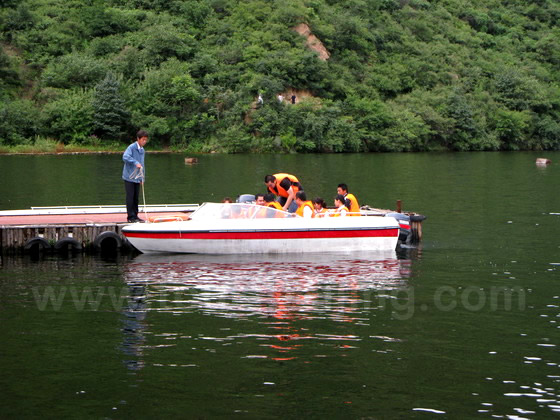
(133, 174)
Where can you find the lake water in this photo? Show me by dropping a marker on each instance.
(467, 325)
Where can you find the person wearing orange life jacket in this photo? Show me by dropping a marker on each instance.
(305, 208)
(320, 207)
(349, 200)
(271, 203)
(285, 186)
(341, 209)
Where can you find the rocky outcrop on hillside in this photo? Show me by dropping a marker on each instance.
(312, 42)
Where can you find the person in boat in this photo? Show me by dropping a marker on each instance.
(226, 210)
(259, 200)
(341, 209)
(133, 174)
(349, 200)
(320, 207)
(305, 208)
(285, 186)
(259, 213)
(269, 201)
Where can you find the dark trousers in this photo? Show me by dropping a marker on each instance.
(132, 190)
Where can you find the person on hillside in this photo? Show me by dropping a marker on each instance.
(305, 208)
(293, 99)
(320, 207)
(285, 186)
(349, 200)
(133, 174)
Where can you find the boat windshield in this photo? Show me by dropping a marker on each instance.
(237, 211)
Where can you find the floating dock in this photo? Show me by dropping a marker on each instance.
(98, 228)
(76, 228)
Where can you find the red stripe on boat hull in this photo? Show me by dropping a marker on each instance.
(361, 233)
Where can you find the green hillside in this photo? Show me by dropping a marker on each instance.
(368, 75)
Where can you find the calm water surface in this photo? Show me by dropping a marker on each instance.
(465, 326)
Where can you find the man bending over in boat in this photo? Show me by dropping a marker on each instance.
(349, 200)
(305, 208)
(285, 186)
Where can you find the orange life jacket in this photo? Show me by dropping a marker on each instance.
(321, 213)
(278, 190)
(275, 205)
(339, 210)
(258, 212)
(354, 206)
(309, 204)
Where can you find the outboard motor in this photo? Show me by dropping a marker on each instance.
(405, 233)
(246, 198)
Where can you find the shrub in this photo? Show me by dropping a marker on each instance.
(9, 77)
(69, 117)
(235, 139)
(164, 41)
(74, 70)
(511, 128)
(19, 121)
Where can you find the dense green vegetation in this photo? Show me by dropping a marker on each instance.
(403, 75)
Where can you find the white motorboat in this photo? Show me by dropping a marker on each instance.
(242, 228)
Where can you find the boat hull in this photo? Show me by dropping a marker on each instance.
(266, 236)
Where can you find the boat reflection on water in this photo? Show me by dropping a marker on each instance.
(275, 291)
(241, 286)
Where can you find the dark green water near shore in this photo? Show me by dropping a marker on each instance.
(465, 326)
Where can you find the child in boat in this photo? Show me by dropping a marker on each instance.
(320, 207)
(341, 209)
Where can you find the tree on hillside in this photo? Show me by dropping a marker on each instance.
(401, 75)
(110, 115)
(9, 77)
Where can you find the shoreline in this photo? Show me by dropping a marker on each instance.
(84, 152)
